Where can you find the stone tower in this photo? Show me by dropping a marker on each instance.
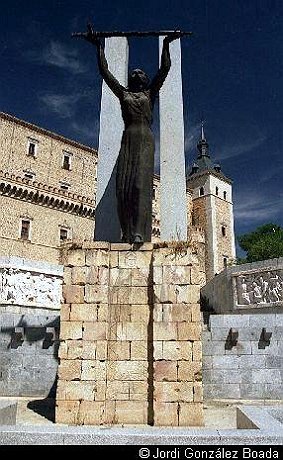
(212, 208)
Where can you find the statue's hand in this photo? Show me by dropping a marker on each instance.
(91, 36)
(173, 36)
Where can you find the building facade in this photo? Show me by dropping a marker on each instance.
(47, 190)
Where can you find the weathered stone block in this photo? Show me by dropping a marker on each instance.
(198, 276)
(84, 312)
(76, 258)
(65, 312)
(189, 371)
(165, 371)
(114, 259)
(63, 349)
(103, 312)
(165, 331)
(97, 275)
(73, 294)
(134, 259)
(165, 413)
(187, 293)
(71, 330)
(77, 390)
(141, 277)
(197, 350)
(158, 350)
(67, 275)
(132, 331)
(69, 369)
(180, 312)
(138, 391)
(97, 293)
(93, 370)
(95, 331)
(173, 391)
(140, 313)
(131, 412)
(101, 350)
(120, 277)
(67, 412)
(196, 313)
(91, 413)
(79, 275)
(139, 350)
(198, 392)
(188, 331)
(191, 414)
(75, 349)
(164, 293)
(97, 258)
(118, 391)
(177, 350)
(127, 370)
(176, 274)
(170, 256)
(118, 351)
(89, 349)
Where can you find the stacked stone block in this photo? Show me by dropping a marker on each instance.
(250, 368)
(177, 338)
(130, 350)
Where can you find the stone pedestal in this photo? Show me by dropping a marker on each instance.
(130, 350)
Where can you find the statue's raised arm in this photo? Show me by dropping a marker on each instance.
(107, 76)
(165, 64)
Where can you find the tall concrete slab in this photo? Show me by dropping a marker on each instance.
(107, 226)
(173, 209)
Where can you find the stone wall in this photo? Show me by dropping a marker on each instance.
(130, 343)
(255, 287)
(28, 354)
(243, 357)
(30, 298)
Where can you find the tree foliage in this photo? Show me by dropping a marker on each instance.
(266, 242)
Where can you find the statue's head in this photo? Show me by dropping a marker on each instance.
(138, 80)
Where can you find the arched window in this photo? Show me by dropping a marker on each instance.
(216, 191)
(223, 230)
(201, 191)
(225, 195)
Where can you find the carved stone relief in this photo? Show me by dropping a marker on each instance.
(259, 288)
(25, 288)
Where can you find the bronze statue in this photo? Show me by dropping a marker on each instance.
(135, 168)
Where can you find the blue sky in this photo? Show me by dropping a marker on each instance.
(232, 78)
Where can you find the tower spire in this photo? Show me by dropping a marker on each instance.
(202, 131)
(202, 145)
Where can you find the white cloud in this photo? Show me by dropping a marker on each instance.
(62, 105)
(61, 56)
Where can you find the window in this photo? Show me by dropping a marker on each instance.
(32, 147)
(216, 191)
(153, 194)
(25, 229)
(29, 175)
(64, 185)
(66, 164)
(225, 195)
(223, 230)
(225, 262)
(201, 191)
(63, 234)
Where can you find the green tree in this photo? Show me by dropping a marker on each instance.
(266, 242)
